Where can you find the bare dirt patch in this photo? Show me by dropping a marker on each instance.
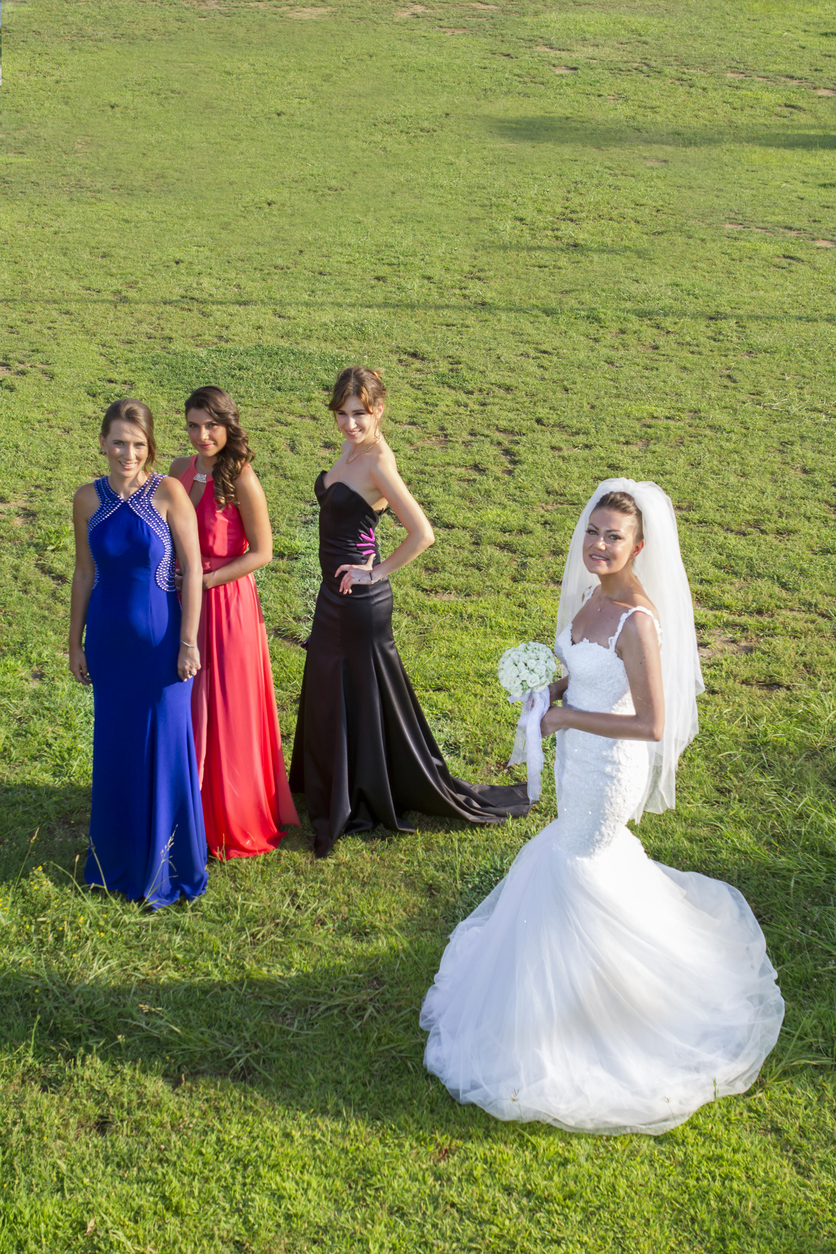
(453, 30)
(564, 69)
(414, 10)
(824, 91)
(792, 231)
(716, 644)
(305, 15)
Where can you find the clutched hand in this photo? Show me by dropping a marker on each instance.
(352, 575)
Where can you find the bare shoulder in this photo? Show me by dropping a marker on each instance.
(179, 466)
(87, 492)
(248, 485)
(86, 500)
(382, 462)
(170, 491)
(642, 628)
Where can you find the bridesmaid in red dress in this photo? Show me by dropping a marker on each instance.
(243, 782)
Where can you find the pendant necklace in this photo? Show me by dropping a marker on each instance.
(201, 478)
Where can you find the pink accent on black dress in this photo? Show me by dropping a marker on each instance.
(363, 754)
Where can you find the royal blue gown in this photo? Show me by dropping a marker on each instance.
(147, 837)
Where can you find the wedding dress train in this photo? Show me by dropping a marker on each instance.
(595, 989)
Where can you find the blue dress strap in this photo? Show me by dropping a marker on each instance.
(613, 640)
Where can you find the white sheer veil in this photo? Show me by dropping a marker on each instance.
(661, 572)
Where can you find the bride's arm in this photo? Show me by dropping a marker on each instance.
(639, 651)
(557, 689)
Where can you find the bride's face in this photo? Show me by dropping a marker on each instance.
(610, 544)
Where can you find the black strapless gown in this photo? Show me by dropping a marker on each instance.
(363, 754)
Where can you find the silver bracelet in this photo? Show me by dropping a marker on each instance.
(188, 646)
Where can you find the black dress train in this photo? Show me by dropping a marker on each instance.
(363, 753)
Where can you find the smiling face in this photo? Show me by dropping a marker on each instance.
(610, 543)
(207, 435)
(358, 424)
(126, 448)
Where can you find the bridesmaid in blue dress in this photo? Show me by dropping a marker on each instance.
(140, 653)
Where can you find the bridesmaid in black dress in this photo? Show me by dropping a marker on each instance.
(363, 753)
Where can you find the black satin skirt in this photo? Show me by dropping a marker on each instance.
(363, 754)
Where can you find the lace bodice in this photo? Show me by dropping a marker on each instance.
(600, 781)
(597, 678)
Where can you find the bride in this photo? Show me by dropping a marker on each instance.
(594, 989)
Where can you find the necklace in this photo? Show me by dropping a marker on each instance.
(617, 596)
(199, 477)
(365, 448)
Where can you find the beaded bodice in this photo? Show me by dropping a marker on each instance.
(141, 506)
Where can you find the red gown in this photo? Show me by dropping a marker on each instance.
(243, 781)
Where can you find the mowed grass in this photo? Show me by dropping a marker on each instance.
(582, 240)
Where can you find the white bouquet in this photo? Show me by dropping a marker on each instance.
(526, 672)
(526, 668)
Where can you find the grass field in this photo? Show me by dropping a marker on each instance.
(582, 239)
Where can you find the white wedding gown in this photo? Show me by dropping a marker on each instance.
(593, 988)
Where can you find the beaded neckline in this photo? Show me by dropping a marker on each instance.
(140, 503)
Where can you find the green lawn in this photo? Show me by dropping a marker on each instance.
(582, 239)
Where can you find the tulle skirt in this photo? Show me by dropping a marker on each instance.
(603, 993)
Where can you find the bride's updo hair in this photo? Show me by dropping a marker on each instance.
(358, 381)
(236, 453)
(622, 503)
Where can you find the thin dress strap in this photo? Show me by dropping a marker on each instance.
(187, 477)
(613, 640)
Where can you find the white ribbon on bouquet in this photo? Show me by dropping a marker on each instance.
(528, 743)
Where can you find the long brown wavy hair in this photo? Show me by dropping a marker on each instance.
(236, 453)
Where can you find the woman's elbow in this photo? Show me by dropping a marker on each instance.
(427, 537)
(262, 556)
(657, 729)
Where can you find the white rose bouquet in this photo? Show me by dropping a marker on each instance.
(526, 668)
(526, 672)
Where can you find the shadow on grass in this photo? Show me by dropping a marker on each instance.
(336, 1023)
(549, 129)
(302, 1037)
(40, 823)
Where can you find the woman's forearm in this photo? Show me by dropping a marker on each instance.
(82, 586)
(252, 560)
(614, 726)
(416, 542)
(191, 594)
